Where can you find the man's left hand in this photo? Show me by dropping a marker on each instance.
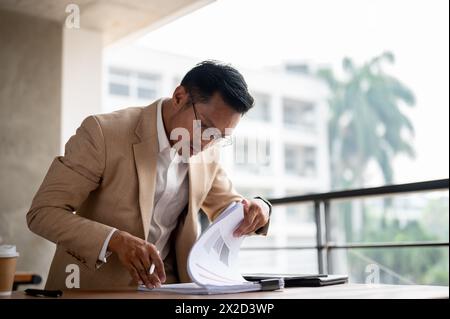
(256, 215)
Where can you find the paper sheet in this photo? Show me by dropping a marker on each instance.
(213, 259)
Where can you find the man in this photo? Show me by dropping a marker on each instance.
(137, 178)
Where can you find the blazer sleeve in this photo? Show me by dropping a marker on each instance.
(220, 195)
(66, 186)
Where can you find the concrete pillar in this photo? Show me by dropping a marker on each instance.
(30, 125)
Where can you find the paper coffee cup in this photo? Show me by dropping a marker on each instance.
(8, 258)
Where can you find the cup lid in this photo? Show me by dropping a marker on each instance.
(8, 251)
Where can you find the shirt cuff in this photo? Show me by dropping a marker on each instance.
(104, 253)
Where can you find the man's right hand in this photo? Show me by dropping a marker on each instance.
(137, 255)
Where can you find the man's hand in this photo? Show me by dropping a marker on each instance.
(137, 255)
(256, 215)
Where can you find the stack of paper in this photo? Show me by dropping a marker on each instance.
(195, 289)
(213, 260)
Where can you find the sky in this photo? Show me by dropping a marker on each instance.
(261, 33)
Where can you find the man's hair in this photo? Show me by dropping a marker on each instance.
(209, 77)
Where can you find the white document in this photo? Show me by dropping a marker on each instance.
(214, 259)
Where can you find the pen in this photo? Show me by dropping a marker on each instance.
(152, 267)
(43, 293)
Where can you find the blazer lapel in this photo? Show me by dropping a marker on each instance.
(196, 187)
(145, 157)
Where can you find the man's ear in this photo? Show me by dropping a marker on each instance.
(180, 96)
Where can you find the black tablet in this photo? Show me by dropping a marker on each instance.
(301, 280)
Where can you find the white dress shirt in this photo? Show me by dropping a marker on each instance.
(171, 190)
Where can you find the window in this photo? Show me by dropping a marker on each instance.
(119, 89)
(299, 114)
(119, 82)
(147, 85)
(252, 155)
(119, 74)
(261, 110)
(137, 85)
(300, 160)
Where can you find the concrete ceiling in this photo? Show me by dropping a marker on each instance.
(114, 18)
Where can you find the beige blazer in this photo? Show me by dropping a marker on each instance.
(106, 179)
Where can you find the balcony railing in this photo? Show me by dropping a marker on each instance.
(324, 244)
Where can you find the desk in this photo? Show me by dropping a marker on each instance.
(346, 291)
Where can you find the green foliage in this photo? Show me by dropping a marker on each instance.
(419, 265)
(366, 121)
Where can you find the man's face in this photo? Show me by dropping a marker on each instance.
(206, 123)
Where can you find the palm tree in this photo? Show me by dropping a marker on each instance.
(366, 121)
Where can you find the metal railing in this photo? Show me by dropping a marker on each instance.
(322, 213)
